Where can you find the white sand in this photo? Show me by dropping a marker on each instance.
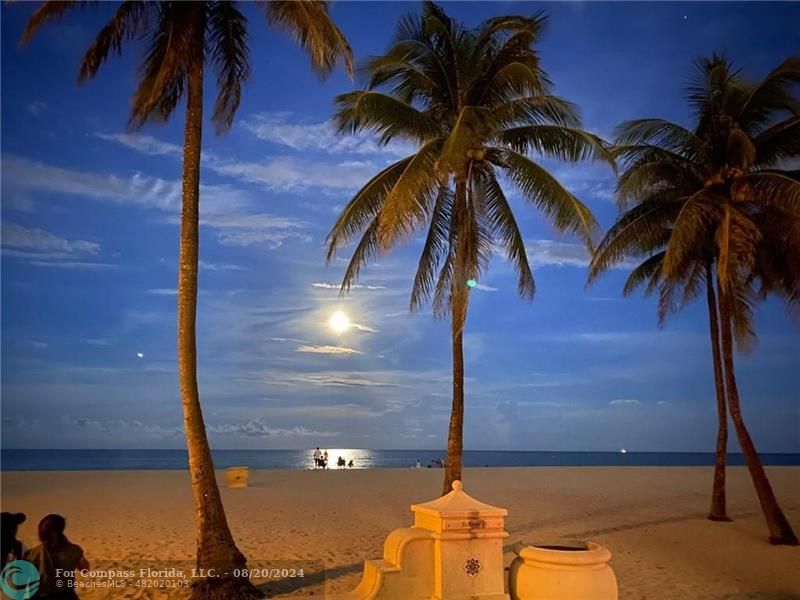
(652, 520)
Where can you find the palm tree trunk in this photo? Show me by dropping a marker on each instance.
(780, 531)
(459, 300)
(719, 510)
(217, 553)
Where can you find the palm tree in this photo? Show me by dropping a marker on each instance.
(182, 39)
(656, 212)
(714, 209)
(475, 102)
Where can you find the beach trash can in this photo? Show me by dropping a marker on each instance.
(562, 571)
(237, 476)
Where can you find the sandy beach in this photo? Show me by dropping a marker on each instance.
(652, 520)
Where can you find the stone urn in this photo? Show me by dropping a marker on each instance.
(237, 476)
(562, 571)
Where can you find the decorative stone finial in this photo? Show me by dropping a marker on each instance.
(457, 485)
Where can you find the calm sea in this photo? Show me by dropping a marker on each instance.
(84, 460)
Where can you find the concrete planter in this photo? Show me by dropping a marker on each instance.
(237, 476)
(566, 571)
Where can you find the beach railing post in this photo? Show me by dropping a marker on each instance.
(237, 477)
(468, 546)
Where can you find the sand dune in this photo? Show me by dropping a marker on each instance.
(652, 520)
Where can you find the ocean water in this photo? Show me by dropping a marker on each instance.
(85, 460)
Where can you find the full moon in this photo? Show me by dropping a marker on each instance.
(339, 322)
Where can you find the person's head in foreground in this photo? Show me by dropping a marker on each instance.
(10, 546)
(51, 531)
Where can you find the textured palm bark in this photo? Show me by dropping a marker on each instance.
(719, 509)
(780, 531)
(459, 300)
(217, 554)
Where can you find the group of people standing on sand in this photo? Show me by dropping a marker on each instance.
(321, 460)
(56, 558)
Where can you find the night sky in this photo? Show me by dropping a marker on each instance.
(89, 250)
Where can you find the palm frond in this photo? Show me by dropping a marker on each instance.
(648, 271)
(774, 93)
(310, 25)
(383, 114)
(229, 53)
(658, 132)
(502, 222)
(366, 250)
(407, 204)
(52, 10)
(555, 141)
(777, 143)
(656, 172)
(364, 207)
(554, 201)
(176, 38)
(769, 188)
(540, 110)
(699, 214)
(643, 229)
(127, 24)
(434, 250)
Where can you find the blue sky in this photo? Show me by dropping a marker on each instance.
(89, 216)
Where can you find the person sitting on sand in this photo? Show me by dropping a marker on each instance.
(350, 464)
(56, 555)
(11, 548)
(340, 463)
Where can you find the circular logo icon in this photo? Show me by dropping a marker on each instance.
(20, 580)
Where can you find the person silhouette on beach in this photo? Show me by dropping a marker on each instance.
(350, 464)
(11, 548)
(317, 458)
(325, 459)
(57, 559)
(340, 463)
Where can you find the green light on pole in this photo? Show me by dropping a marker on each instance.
(471, 283)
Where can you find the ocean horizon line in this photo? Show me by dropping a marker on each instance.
(311, 448)
(41, 459)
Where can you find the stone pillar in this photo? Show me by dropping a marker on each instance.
(468, 546)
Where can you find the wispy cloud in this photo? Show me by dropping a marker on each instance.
(38, 240)
(328, 350)
(227, 209)
(37, 107)
(259, 428)
(115, 426)
(282, 173)
(547, 253)
(486, 288)
(218, 266)
(45, 249)
(163, 292)
(552, 253)
(625, 402)
(337, 287)
(283, 129)
(335, 379)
